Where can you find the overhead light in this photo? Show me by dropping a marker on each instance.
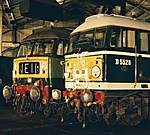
(60, 1)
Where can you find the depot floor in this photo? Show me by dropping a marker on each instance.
(12, 123)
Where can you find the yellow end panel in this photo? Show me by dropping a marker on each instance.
(43, 67)
(84, 68)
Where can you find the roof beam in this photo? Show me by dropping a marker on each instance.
(148, 20)
(139, 6)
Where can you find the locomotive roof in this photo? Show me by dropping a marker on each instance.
(102, 20)
(48, 33)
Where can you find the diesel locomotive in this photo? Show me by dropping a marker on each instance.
(38, 69)
(107, 70)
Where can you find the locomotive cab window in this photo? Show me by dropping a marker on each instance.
(87, 41)
(43, 48)
(81, 41)
(131, 39)
(60, 50)
(122, 38)
(25, 49)
(66, 46)
(144, 42)
(60, 47)
(115, 38)
(100, 35)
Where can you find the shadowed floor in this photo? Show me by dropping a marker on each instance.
(12, 123)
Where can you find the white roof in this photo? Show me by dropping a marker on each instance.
(102, 20)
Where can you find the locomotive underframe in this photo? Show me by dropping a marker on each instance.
(125, 107)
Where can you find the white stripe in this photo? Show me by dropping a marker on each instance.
(107, 86)
(85, 54)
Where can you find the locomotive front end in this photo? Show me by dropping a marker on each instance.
(83, 73)
(30, 75)
(38, 70)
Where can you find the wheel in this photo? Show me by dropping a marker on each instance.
(109, 115)
(67, 113)
(51, 109)
(131, 117)
(86, 115)
(130, 111)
